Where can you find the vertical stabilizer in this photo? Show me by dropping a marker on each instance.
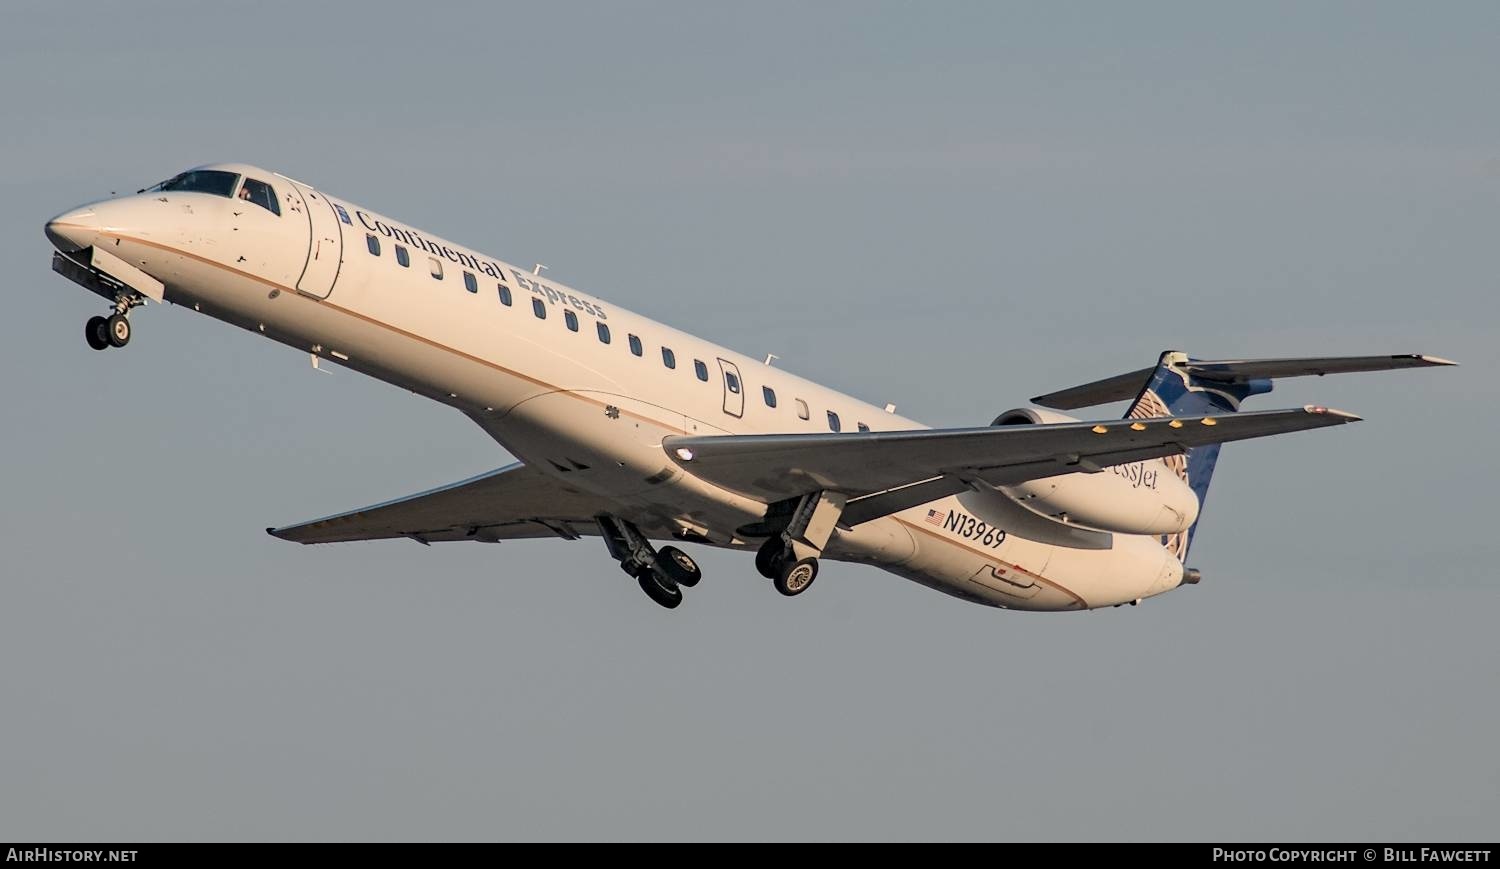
(1173, 390)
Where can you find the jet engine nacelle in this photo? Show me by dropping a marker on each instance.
(1145, 497)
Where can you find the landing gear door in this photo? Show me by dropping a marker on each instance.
(734, 389)
(325, 243)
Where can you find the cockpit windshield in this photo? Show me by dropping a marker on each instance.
(215, 181)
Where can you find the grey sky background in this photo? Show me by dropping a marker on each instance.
(952, 207)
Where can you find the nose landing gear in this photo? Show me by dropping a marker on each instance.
(101, 333)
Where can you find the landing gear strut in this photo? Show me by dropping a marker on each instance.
(790, 559)
(661, 575)
(114, 330)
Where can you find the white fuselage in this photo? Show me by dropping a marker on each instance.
(565, 401)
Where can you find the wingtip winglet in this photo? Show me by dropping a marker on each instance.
(1433, 360)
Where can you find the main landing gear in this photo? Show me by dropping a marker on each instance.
(790, 559)
(777, 562)
(114, 330)
(662, 574)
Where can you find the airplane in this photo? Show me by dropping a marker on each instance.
(637, 433)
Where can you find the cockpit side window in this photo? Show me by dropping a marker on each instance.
(215, 181)
(261, 194)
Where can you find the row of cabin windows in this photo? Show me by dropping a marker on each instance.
(637, 348)
(434, 265)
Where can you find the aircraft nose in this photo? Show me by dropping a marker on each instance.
(73, 230)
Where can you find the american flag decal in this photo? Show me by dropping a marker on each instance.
(935, 518)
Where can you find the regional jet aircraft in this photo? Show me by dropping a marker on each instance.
(636, 433)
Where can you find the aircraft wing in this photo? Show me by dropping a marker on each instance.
(878, 467)
(509, 503)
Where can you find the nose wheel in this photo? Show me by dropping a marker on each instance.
(118, 329)
(102, 333)
(96, 332)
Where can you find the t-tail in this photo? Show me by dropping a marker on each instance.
(1179, 386)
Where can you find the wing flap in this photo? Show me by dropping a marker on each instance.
(777, 467)
(509, 503)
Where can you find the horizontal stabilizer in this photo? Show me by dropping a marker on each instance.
(1123, 387)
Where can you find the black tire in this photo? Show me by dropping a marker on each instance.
(651, 584)
(769, 556)
(797, 576)
(118, 330)
(96, 332)
(679, 566)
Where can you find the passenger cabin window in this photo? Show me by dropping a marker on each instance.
(571, 319)
(833, 422)
(471, 283)
(435, 267)
(668, 358)
(802, 409)
(373, 244)
(504, 295)
(700, 369)
(732, 382)
(214, 181)
(635, 346)
(603, 333)
(403, 258)
(862, 426)
(769, 395)
(539, 308)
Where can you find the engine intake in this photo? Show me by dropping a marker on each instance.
(1032, 416)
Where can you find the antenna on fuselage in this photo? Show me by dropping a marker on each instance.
(770, 357)
(537, 269)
